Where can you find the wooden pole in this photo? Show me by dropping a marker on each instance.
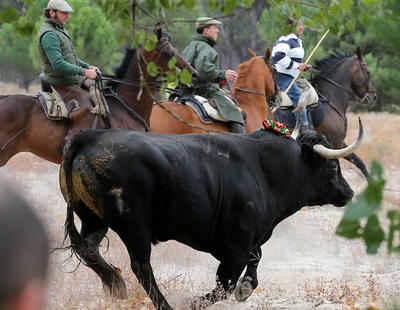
(308, 59)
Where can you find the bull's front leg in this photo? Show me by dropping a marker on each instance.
(228, 273)
(247, 284)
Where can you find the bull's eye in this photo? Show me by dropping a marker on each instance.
(333, 165)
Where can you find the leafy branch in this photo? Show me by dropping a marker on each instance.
(360, 219)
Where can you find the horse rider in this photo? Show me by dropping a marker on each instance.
(287, 57)
(62, 67)
(204, 58)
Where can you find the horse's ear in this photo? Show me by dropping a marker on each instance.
(252, 54)
(267, 54)
(158, 31)
(359, 54)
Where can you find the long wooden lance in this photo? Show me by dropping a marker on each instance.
(307, 60)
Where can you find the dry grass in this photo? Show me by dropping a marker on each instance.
(11, 89)
(304, 265)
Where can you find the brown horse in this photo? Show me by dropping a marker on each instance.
(341, 77)
(25, 128)
(254, 84)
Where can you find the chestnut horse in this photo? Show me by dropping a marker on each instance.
(253, 86)
(25, 128)
(341, 77)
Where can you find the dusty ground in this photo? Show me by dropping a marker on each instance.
(304, 265)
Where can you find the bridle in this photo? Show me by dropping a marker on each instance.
(111, 93)
(362, 98)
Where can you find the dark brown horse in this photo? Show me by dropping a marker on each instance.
(254, 84)
(341, 77)
(25, 128)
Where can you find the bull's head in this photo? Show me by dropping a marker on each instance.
(317, 152)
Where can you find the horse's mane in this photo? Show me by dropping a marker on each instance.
(329, 62)
(123, 67)
(243, 73)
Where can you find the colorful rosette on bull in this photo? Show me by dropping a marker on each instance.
(277, 127)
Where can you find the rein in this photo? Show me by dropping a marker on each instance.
(251, 91)
(131, 111)
(361, 98)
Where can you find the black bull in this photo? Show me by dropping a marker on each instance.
(218, 193)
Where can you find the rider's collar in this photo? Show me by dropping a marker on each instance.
(50, 21)
(293, 36)
(200, 37)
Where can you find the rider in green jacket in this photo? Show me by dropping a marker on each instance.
(204, 58)
(64, 70)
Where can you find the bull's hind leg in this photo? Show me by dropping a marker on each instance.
(133, 234)
(246, 284)
(86, 245)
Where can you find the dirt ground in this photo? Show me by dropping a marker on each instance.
(304, 265)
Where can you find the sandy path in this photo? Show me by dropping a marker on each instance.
(304, 265)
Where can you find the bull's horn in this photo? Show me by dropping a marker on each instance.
(340, 153)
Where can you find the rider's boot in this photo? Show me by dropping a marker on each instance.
(97, 98)
(237, 127)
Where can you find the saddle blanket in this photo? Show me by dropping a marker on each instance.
(203, 107)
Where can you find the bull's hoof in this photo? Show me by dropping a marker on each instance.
(118, 289)
(200, 303)
(243, 289)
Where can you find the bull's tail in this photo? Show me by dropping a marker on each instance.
(71, 232)
(65, 179)
(65, 176)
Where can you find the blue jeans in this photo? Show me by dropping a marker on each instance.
(283, 81)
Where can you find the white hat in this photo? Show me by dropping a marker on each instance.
(206, 21)
(59, 5)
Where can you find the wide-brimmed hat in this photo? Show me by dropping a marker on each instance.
(59, 5)
(206, 21)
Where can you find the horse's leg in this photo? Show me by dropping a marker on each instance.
(357, 161)
(246, 285)
(133, 234)
(86, 245)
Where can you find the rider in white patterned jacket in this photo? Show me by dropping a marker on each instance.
(287, 56)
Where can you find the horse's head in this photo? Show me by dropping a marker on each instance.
(257, 69)
(164, 51)
(361, 80)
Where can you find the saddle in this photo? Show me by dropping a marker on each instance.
(52, 103)
(56, 109)
(203, 107)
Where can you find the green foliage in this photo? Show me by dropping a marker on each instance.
(14, 63)
(185, 77)
(360, 219)
(9, 15)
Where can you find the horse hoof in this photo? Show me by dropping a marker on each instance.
(243, 289)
